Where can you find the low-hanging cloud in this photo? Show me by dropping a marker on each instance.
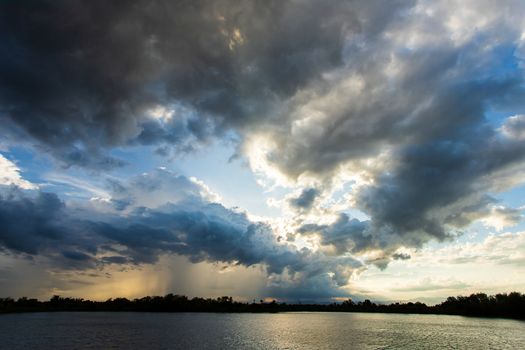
(42, 225)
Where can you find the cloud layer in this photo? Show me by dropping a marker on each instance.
(389, 124)
(40, 224)
(80, 76)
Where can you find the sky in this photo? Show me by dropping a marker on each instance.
(295, 150)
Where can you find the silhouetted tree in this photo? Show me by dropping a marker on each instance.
(510, 305)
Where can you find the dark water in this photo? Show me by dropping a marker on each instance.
(106, 330)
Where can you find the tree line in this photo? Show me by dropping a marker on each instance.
(511, 305)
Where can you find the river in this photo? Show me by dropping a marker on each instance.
(302, 330)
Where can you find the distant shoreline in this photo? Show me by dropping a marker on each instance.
(511, 305)
(257, 312)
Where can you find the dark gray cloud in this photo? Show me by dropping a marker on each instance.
(401, 256)
(417, 122)
(305, 200)
(38, 218)
(188, 225)
(439, 184)
(79, 77)
(344, 234)
(320, 279)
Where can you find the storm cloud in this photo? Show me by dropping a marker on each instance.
(40, 225)
(83, 77)
(409, 117)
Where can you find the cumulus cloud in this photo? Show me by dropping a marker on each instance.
(79, 77)
(501, 217)
(11, 175)
(183, 222)
(514, 127)
(28, 224)
(406, 117)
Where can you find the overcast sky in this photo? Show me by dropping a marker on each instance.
(297, 150)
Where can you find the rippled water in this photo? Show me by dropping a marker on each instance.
(106, 330)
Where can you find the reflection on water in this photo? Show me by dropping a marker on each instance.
(106, 330)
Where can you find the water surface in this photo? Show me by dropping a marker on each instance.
(113, 330)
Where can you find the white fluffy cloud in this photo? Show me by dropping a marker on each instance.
(10, 175)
